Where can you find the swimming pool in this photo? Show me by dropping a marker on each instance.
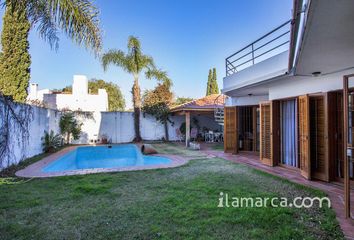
(93, 157)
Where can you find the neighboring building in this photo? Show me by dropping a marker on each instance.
(288, 93)
(78, 100)
(35, 95)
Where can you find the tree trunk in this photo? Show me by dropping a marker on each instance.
(67, 138)
(166, 131)
(137, 107)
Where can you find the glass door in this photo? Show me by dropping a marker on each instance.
(288, 133)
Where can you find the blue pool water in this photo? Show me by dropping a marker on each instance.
(103, 157)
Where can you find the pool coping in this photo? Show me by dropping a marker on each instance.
(34, 170)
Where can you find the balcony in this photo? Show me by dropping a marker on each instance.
(262, 60)
(267, 46)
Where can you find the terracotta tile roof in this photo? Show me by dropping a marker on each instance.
(207, 102)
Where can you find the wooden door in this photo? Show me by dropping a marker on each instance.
(269, 133)
(230, 130)
(304, 135)
(319, 137)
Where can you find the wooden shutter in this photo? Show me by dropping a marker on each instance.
(304, 135)
(265, 147)
(230, 130)
(269, 133)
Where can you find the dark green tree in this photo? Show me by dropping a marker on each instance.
(156, 102)
(15, 60)
(214, 89)
(209, 83)
(115, 97)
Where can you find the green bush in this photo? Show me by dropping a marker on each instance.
(51, 141)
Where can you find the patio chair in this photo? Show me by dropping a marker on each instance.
(209, 136)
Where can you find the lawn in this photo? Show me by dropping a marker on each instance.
(178, 203)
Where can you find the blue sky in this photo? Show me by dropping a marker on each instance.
(186, 38)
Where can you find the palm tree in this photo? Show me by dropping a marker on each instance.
(134, 62)
(76, 18)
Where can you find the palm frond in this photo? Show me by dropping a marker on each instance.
(159, 75)
(79, 19)
(116, 57)
(46, 25)
(147, 62)
(134, 44)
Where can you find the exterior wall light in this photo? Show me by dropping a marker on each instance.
(316, 74)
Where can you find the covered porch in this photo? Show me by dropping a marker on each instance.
(203, 118)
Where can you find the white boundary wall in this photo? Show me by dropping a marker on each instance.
(118, 127)
(40, 120)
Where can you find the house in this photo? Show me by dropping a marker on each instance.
(79, 100)
(290, 94)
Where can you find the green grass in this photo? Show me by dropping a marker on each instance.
(173, 148)
(176, 203)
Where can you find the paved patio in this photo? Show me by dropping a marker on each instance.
(334, 190)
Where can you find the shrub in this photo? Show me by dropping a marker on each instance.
(51, 141)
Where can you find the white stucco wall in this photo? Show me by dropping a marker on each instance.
(300, 85)
(119, 127)
(246, 101)
(40, 120)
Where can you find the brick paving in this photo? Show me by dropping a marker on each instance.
(335, 191)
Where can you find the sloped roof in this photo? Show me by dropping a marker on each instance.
(209, 102)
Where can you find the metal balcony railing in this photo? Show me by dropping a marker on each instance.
(271, 44)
